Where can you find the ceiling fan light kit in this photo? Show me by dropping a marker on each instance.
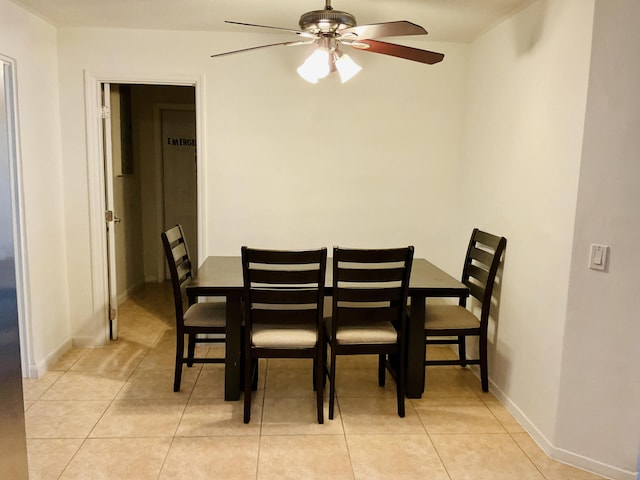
(329, 29)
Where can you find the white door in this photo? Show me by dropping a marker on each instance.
(180, 174)
(111, 219)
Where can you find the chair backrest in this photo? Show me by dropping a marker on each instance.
(177, 253)
(481, 266)
(370, 285)
(283, 287)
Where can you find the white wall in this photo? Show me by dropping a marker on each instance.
(32, 43)
(599, 407)
(557, 361)
(286, 163)
(521, 160)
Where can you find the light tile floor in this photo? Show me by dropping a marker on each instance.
(111, 413)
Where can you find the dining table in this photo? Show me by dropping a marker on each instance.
(221, 276)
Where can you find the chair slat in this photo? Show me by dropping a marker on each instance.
(184, 270)
(476, 291)
(284, 317)
(372, 255)
(370, 275)
(179, 251)
(478, 273)
(173, 235)
(285, 277)
(487, 239)
(283, 296)
(368, 315)
(368, 294)
(481, 256)
(281, 257)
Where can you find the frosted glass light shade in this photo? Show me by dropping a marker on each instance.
(346, 67)
(316, 66)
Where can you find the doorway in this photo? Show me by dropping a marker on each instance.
(153, 179)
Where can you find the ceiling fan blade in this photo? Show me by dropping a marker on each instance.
(387, 29)
(297, 32)
(400, 51)
(286, 44)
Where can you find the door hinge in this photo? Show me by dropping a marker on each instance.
(108, 216)
(113, 313)
(105, 112)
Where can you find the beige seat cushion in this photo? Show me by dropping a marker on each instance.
(442, 317)
(206, 314)
(284, 336)
(355, 333)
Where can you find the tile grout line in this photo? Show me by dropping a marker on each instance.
(173, 437)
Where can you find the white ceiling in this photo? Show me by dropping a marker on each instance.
(446, 20)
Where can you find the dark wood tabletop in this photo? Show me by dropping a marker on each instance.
(222, 275)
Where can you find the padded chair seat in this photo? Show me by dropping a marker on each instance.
(284, 336)
(354, 333)
(206, 314)
(445, 317)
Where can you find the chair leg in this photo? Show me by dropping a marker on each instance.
(332, 383)
(248, 369)
(191, 349)
(401, 376)
(381, 370)
(254, 375)
(325, 367)
(319, 375)
(315, 377)
(462, 350)
(179, 358)
(484, 368)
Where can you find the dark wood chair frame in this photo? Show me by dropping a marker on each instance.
(180, 269)
(483, 258)
(283, 288)
(359, 295)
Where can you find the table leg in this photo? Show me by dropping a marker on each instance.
(232, 363)
(416, 348)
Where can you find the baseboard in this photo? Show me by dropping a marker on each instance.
(125, 295)
(44, 365)
(86, 342)
(556, 453)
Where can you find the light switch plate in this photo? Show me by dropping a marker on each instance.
(598, 257)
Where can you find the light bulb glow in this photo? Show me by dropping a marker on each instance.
(316, 66)
(347, 68)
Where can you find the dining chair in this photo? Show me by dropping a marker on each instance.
(457, 322)
(283, 311)
(368, 314)
(206, 318)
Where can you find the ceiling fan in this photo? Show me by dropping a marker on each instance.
(331, 29)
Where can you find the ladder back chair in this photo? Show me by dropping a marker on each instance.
(283, 307)
(369, 308)
(481, 264)
(198, 319)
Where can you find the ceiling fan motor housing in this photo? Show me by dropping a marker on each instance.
(326, 21)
